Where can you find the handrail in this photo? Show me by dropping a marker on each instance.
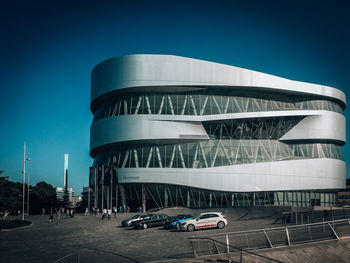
(274, 228)
(240, 249)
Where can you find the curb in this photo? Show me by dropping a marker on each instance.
(15, 228)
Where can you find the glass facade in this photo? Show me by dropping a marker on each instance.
(214, 153)
(205, 103)
(159, 196)
(231, 142)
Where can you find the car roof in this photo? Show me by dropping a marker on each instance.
(217, 213)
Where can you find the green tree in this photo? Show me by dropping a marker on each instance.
(43, 196)
(10, 195)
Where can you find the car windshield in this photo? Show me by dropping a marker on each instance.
(136, 216)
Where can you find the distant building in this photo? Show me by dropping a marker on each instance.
(75, 200)
(60, 193)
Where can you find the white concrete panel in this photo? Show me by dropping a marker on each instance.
(165, 70)
(129, 128)
(305, 174)
(325, 126)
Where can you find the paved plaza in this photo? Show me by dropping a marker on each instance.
(92, 240)
(89, 239)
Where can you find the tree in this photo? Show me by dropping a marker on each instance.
(43, 196)
(10, 195)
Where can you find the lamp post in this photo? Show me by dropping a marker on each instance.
(28, 197)
(24, 178)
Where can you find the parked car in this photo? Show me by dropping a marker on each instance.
(205, 220)
(175, 221)
(151, 221)
(128, 222)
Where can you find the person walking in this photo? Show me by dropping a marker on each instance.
(104, 212)
(5, 215)
(51, 215)
(58, 215)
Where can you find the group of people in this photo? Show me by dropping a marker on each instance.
(108, 212)
(104, 212)
(124, 209)
(4, 214)
(69, 212)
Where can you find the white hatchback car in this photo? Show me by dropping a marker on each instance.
(205, 220)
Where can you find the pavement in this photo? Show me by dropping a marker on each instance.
(90, 239)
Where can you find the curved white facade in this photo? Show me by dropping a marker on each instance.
(180, 127)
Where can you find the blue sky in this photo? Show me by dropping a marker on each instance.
(48, 49)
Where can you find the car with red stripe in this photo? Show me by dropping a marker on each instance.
(205, 220)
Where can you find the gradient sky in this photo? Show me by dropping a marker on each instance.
(48, 49)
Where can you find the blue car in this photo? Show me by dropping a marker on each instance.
(175, 221)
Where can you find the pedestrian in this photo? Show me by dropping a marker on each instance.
(86, 211)
(51, 216)
(58, 215)
(115, 211)
(5, 215)
(43, 211)
(109, 213)
(120, 209)
(128, 209)
(104, 212)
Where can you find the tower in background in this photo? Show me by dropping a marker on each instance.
(65, 172)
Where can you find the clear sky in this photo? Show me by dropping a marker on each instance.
(48, 49)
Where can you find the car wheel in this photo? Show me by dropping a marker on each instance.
(144, 226)
(221, 225)
(190, 227)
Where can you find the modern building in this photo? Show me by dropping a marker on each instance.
(176, 131)
(344, 195)
(86, 197)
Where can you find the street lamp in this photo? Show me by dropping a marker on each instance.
(24, 178)
(28, 196)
